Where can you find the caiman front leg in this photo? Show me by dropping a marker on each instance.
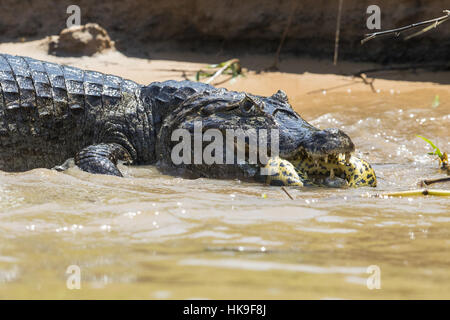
(102, 158)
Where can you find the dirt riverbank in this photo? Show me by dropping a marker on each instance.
(301, 78)
(141, 28)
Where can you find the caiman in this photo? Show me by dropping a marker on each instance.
(50, 113)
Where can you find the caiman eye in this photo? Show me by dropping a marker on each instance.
(247, 105)
(281, 95)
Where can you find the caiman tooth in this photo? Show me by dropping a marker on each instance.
(347, 157)
(326, 159)
(13, 106)
(331, 173)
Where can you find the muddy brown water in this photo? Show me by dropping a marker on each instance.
(154, 236)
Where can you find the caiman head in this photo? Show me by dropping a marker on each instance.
(306, 154)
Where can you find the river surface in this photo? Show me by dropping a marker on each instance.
(154, 236)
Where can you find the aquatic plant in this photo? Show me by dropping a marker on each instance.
(231, 67)
(436, 102)
(443, 157)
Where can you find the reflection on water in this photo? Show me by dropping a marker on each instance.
(154, 236)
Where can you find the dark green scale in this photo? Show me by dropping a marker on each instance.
(49, 112)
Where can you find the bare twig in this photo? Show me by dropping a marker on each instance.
(362, 76)
(433, 67)
(426, 29)
(184, 75)
(418, 192)
(431, 181)
(275, 65)
(334, 87)
(338, 29)
(367, 81)
(285, 191)
(398, 31)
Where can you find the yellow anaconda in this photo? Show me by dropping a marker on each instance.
(335, 172)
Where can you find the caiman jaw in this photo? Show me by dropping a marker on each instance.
(319, 145)
(343, 170)
(336, 171)
(319, 157)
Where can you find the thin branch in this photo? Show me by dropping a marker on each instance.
(275, 65)
(334, 87)
(184, 75)
(433, 67)
(338, 30)
(418, 192)
(426, 29)
(398, 31)
(285, 191)
(431, 181)
(366, 81)
(363, 75)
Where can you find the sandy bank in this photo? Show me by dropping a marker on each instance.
(302, 79)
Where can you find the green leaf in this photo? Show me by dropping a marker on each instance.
(436, 102)
(233, 68)
(436, 149)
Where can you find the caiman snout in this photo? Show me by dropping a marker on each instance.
(316, 144)
(327, 142)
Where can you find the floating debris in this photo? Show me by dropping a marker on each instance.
(417, 192)
(231, 67)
